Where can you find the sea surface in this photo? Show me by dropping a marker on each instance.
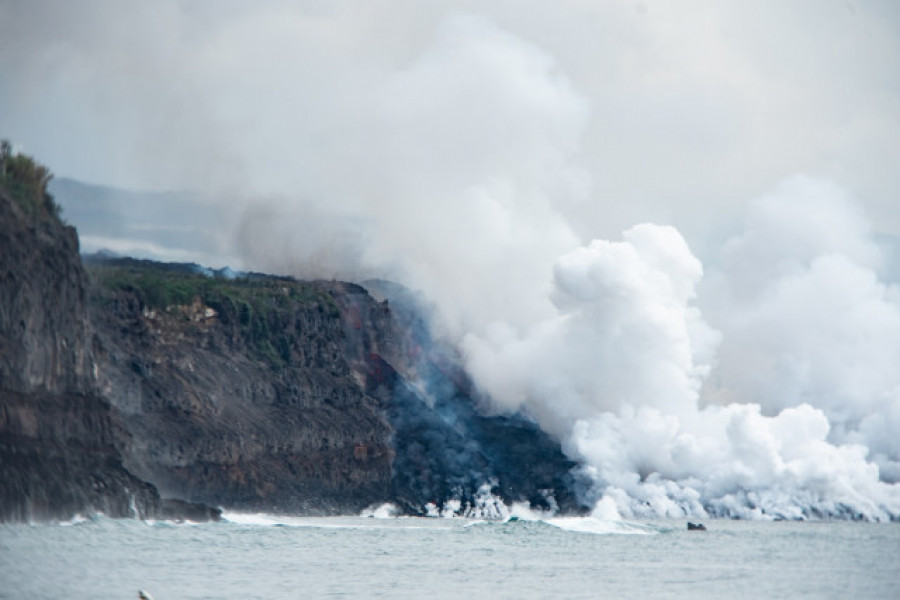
(260, 556)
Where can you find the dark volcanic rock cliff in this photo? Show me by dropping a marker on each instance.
(59, 443)
(245, 395)
(142, 389)
(43, 314)
(446, 451)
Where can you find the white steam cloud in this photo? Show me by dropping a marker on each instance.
(480, 130)
(617, 371)
(476, 157)
(806, 319)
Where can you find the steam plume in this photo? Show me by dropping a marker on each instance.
(797, 412)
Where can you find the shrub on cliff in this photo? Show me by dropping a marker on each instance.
(26, 182)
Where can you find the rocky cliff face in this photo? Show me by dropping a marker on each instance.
(59, 444)
(241, 395)
(43, 318)
(245, 396)
(129, 381)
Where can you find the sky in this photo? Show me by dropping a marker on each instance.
(667, 231)
(677, 112)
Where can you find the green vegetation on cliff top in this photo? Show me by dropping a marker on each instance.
(259, 305)
(26, 182)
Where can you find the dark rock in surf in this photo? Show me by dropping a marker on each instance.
(179, 510)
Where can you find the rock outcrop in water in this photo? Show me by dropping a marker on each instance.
(128, 381)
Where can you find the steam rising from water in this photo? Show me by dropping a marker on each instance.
(781, 405)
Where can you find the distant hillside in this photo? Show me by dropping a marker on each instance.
(141, 224)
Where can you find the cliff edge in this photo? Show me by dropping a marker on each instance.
(59, 443)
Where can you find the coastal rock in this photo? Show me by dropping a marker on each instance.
(174, 509)
(229, 401)
(59, 453)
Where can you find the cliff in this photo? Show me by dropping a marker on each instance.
(59, 444)
(267, 393)
(240, 392)
(141, 389)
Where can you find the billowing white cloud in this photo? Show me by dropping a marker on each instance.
(801, 395)
(806, 317)
(624, 333)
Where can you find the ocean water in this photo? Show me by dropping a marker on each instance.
(259, 556)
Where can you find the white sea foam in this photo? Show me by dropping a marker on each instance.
(485, 505)
(601, 526)
(381, 511)
(603, 520)
(79, 519)
(349, 522)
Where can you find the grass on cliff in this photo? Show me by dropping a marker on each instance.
(26, 182)
(255, 304)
